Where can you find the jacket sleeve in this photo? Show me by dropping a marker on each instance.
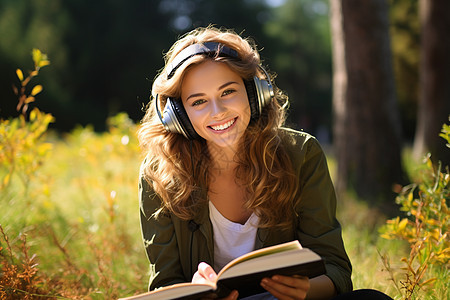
(159, 239)
(317, 226)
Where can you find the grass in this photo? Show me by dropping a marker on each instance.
(364, 246)
(78, 215)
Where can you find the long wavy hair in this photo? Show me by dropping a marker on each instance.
(178, 169)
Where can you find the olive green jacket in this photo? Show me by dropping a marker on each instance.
(175, 247)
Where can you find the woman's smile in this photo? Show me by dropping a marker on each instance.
(219, 128)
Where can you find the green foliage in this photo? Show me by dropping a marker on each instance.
(79, 217)
(426, 229)
(40, 60)
(67, 227)
(445, 133)
(299, 52)
(23, 149)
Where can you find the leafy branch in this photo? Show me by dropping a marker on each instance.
(40, 60)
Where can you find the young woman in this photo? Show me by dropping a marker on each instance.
(222, 177)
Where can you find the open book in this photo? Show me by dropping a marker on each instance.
(246, 272)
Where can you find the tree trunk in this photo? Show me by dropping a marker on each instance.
(367, 136)
(434, 99)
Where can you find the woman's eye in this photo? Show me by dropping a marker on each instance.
(227, 92)
(198, 102)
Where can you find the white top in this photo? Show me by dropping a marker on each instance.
(231, 240)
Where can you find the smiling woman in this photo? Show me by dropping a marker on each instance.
(220, 170)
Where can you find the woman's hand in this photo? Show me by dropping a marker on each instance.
(206, 274)
(287, 287)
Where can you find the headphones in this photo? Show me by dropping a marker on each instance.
(174, 116)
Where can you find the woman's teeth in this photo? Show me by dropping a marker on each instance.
(223, 126)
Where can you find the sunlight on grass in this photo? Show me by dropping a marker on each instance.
(80, 214)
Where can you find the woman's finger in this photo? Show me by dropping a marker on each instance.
(207, 271)
(204, 273)
(286, 287)
(295, 281)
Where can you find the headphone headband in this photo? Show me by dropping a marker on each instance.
(208, 48)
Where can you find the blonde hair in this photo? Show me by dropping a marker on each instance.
(177, 168)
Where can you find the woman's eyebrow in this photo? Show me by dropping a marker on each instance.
(195, 95)
(226, 84)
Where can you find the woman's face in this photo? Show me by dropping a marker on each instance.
(216, 102)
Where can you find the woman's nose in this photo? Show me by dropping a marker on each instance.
(217, 109)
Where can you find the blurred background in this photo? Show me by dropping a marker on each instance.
(104, 54)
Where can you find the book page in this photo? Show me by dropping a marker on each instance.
(262, 252)
(276, 260)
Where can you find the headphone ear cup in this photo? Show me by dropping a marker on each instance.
(252, 98)
(178, 115)
(259, 92)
